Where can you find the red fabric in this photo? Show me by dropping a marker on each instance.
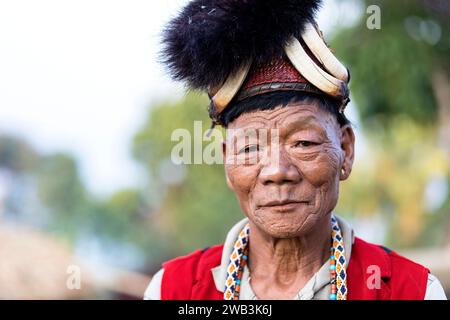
(402, 279)
(190, 277)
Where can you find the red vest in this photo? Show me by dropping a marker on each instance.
(190, 277)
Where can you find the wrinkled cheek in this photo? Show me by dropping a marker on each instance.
(323, 170)
(323, 174)
(328, 195)
(242, 179)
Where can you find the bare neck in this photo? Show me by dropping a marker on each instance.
(282, 267)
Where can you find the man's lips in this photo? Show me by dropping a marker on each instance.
(283, 203)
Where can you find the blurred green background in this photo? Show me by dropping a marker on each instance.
(398, 193)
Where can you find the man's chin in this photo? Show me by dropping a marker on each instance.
(285, 225)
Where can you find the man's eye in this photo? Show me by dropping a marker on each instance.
(304, 143)
(249, 149)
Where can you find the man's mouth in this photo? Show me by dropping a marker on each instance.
(282, 205)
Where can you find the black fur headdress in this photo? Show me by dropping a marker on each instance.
(211, 39)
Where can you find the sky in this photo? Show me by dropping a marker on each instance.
(79, 76)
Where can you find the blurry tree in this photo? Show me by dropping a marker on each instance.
(400, 83)
(393, 176)
(17, 161)
(77, 213)
(16, 155)
(64, 207)
(59, 185)
(195, 209)
(392, 68)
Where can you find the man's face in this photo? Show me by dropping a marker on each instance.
(290, 178)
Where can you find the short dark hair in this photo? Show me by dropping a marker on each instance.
(271, 100)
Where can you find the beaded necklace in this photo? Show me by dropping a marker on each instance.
(337, 267)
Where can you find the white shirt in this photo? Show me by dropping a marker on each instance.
(317, 288)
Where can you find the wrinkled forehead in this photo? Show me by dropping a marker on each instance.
(284, 119)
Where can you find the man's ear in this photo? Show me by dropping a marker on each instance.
(348, 148)
(224, 152)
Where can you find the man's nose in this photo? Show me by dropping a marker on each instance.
(279, 169)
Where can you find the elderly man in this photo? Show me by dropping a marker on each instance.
(267, 70)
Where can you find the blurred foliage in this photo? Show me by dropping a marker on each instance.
(394, 87)
(392, 68)
(198, 210)
(390, 179)
(59, 184)
(16, 155)
(66, 207)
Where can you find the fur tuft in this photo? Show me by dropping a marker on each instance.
(212, 38)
